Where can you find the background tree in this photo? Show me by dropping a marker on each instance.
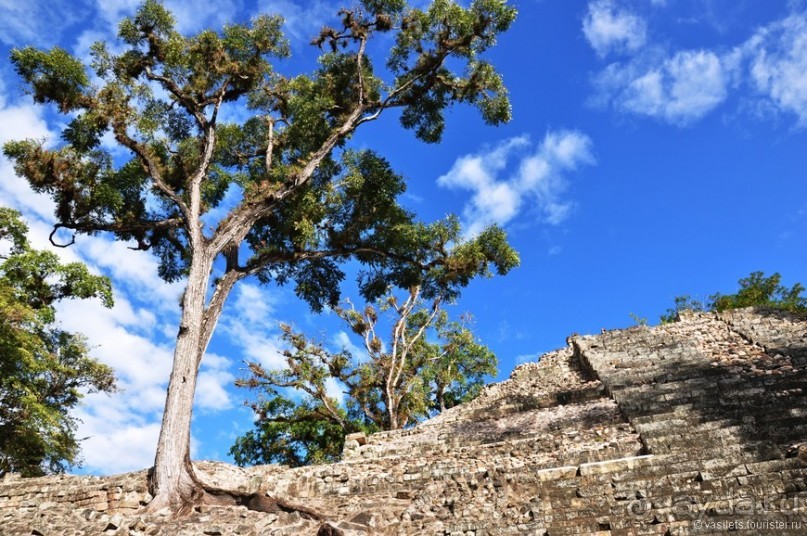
(306, 205)
(427, 365)
(44, 370)
(755, 290)
(294, 432)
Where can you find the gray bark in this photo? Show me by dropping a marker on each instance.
(174, 483)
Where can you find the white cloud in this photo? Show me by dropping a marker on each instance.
(135, 269)
(611, 29)
(210, 390)
(303, 19)
(112, 448)
(342, 341)
(38, 22)
(778, 64)
(539, 177)
(252, 326)
(335, 389)
(683, 86)
(17, 122)
(138, 361)
(678, 90)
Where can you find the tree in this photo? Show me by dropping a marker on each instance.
(307, 203)
(44, 370)
(292, 433)
(760, 291)
(427, 365)
(756, 290)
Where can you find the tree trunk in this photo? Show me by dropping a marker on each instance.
(392, 410)
(173, 483)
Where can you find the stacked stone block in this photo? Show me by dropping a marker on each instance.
(691, 427)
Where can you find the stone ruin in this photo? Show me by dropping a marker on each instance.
(690, 427)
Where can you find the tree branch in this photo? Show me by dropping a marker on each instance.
(187, 102)
(132, 227)
(152, 169)
(236, 227)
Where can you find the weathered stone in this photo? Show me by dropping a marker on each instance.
(638, 431)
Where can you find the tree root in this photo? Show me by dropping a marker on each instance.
(202, 494)
(267, 503)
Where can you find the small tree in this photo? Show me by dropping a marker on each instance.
(292, 432)
(755, 290)
(427, 365)
(761, 291)
(44, 370)
(307, 204)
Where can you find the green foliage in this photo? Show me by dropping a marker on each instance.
(55, 76)
(427, 365)
(761, 291)
(638, 320)
(305, 203)
(44, 370)
(290, 433)
(756, 290)
(309, 203)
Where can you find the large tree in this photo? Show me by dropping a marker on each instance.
(44, 370)
(426, 365)
(307, 204)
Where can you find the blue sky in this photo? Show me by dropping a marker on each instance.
(657, 148)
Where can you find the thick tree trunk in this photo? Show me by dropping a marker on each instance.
(173, 482)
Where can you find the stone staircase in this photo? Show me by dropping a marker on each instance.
(719, 409)
(689, 428)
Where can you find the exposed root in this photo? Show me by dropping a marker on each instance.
(326, 529)
(267, 503)
(200, 494)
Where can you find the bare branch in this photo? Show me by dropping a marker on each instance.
(53, 232)
(187, 102)
(131, 227)
(359, 68)
(151, 168)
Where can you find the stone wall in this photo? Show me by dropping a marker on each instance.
(691, 427)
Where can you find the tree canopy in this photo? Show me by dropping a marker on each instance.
(426, 365)
(44, 370)
(306, 201)
(755, 290)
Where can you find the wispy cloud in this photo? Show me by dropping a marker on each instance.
(778, 64)
(252, 326)
(678, 90)
(610, 28)
(501, 190)
(303, 19)
(681, 87)
(38, 22)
